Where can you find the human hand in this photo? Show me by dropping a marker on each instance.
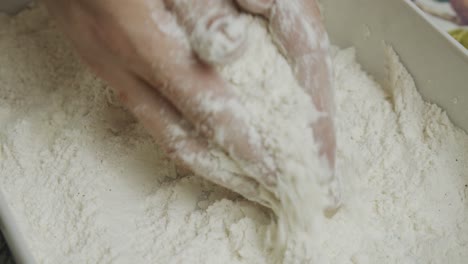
(148, 60)
(161, 72)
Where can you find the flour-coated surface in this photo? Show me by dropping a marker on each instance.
(81, 174)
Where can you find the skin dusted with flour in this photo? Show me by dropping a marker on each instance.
(154, 55)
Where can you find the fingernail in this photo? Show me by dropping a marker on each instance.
(219, 39)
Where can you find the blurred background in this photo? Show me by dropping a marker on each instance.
(5, 256)
(448, 15)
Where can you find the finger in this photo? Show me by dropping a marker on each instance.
(217, 33)
(259, 7)
(217, 113)
(205, 99)
(184, 146)
(300, 36)
(173, 134)
(195, 155)
(299, 31)
(199, 94)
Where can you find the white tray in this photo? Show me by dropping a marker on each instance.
(438, 63)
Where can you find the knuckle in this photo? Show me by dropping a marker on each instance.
(204, 124)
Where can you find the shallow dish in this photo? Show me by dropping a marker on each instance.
(438, 63)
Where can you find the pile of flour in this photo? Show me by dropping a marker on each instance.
(88, 185)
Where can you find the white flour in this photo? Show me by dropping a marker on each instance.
(89, 186)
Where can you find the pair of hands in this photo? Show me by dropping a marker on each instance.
(159, 57)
